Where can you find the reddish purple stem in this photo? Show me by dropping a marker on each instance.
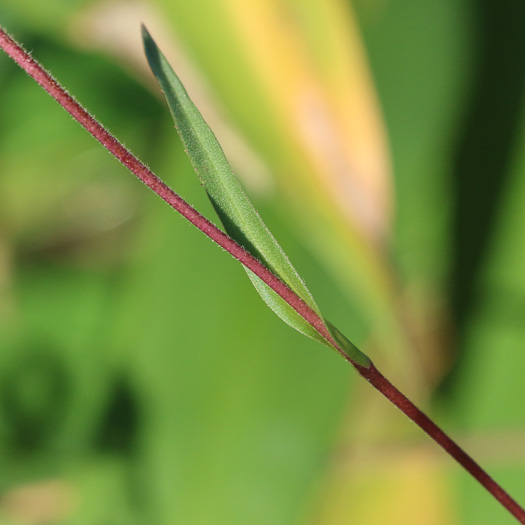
(371, 374)
(35, 70)
(406, 406)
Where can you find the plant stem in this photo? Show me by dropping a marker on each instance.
(381, 383)
(371, 374)
(46, 80)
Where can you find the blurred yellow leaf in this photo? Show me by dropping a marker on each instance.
(404, 487)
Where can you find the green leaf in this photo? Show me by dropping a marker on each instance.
(237, 214)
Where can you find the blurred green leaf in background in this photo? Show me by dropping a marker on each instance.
(141, 379)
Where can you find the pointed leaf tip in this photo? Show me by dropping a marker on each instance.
(237, 214)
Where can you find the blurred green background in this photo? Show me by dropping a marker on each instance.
(142, 380)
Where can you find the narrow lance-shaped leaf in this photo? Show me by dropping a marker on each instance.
(237, 214)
